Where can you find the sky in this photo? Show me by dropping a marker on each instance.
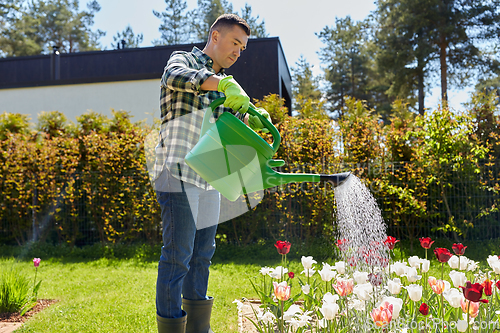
(295, 22)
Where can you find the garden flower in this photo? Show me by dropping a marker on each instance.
(291, 275)
(356, 304)
(458, 278)
(266, 317)
(394, 286)
(473, 292)
(382, 315)
(239, 305)
(360, 277)
(472, 306)
(342, 244)
(437, 286)
(278, 272)
(424, 309)
(462, 325)
(397, 305)
(426, 264)
(487, 287)
(308, 272)
(454, 297)
(411, 275)
(266, 270)
(281, 290)
(472, 265)
(453, 262)
(494, 263)
(283, 247)
(442, 254)
(399, 268)
(329, 298)
(340, 267)
(498, 285)
(344, 287)
(363, 291)
(414, 292)
(307, 262)
(292, 311)
(459, 249)
(330, 310)
(375, 279)
(426, 242)
(414, 261)
(306, 289)
(326, 273)
(390, 242)
(36, 262)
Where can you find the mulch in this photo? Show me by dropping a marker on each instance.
(15, 317)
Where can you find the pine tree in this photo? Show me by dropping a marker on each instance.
(258, 29)
(174, 27)
(127, 39)
(205, 15)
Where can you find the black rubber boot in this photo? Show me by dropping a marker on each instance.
(198, 315)
(172, 325)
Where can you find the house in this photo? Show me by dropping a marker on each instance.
(124, 79)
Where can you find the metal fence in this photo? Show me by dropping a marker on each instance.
(67, 210)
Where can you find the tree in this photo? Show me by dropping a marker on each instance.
(305, 88)
(35, 26)
(127, 39)
(455, 30)
(174, 26)
(205, 15)
(346, 54)
(258, 29)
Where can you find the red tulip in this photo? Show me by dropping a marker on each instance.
(424, 309)
(459, 249)
(390, 242)
(487, 287)
(291, 275)
(473, 292)
(283, 247)
(498, 284)
(426, 242)
(342, 244)
(375, 280)
(442, 254)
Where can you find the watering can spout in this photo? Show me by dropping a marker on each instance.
(335, 179)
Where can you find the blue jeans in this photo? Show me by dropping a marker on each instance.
(189, 215)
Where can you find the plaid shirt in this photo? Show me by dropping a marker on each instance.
(183, 105)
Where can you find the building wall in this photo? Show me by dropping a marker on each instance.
(140, 97)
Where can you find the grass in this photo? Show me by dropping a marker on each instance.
(112, 289)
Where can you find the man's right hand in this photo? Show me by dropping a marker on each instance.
(236, 97)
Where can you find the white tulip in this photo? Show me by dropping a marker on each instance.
(472, 265)
(306, 289)
(308, 262)
(397, 305)
(454, 297)
(453, 262)
(414, 261)
(278, 272)
(356, 304)
(329, 298)
(329, 310)
(326, 273)
(414, 292)
(411, 275)
(340, 267)
(494, 263)
(458, 278)
(394, 286)
(363, 291)
(360, 277)
(308, 272)
(399, 268)
(426, 264)
(265, 270)
(266, 317)
(462, 325)
(292, 311)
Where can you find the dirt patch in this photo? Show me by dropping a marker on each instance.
(17, 318)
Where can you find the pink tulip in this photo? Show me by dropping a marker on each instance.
(281, 290)
(473, 307)
(436, 285)
(344, 287)
(382, 315)
(36, 262)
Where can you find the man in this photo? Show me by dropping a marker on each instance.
(190, 206)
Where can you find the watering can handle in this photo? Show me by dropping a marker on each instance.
(267, 124)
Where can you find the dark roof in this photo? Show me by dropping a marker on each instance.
(261, 69)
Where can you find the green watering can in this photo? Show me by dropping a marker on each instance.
(235, 160)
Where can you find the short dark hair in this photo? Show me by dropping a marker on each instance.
(228, 21)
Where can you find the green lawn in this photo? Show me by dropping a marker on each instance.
(119, 295)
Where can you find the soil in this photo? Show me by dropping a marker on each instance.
(17, 318)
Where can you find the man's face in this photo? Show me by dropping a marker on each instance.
(229, 43)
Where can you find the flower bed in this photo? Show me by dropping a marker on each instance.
(395, 296)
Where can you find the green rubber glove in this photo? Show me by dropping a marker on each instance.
(255, 123)
(236, 97)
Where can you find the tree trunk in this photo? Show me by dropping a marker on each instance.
(444, 69)
(421, 108)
